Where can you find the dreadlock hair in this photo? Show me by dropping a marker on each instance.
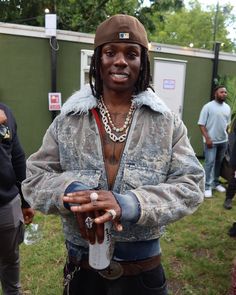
(95, 79)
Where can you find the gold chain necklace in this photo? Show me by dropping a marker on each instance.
(106, 119)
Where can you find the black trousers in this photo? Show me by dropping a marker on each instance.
(89, 282)
(231, 189)
(11, 235)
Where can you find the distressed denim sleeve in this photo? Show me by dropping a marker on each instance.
(130, 208)
(183, 190)
(46, 182)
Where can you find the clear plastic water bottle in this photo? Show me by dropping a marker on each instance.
(32, 234)
(100, 254)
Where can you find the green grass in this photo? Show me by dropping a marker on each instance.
(42, 262)
(197, 253)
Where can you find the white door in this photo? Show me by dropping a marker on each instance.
(86, 56)
(169, 82)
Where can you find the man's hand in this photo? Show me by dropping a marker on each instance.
(95, 213)
(204, 132)
(209, 143)
(28, 214)
(3, 117)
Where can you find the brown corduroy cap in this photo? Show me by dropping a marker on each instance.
(121, 28)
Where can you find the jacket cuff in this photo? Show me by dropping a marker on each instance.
(24, 204)
(74, 187)
(130, 207)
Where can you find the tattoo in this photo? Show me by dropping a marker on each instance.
(106, 139)
(119, 118)
(113, 159)
(112, 150)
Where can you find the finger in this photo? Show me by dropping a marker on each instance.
(77, 194)
(99, 228)
(26, 219)
(117, 226)
(91, 235)
(75, 199)
(81, 198)
(90, 228)
(83, 208)
(109, 215)
(81, 224)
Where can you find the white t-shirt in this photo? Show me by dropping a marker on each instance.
(215, 117)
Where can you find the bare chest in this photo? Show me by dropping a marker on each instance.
(114, 130)
(112, 153)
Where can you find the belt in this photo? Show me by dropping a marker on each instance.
(117, 269)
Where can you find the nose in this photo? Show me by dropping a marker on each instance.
(120, 60)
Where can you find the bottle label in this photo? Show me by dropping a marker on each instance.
(100, 254)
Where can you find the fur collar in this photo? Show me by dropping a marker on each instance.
(82, 101)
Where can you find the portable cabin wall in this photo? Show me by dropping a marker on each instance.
(24, 83)
(198, 82)
(197, 92)
(25, 77)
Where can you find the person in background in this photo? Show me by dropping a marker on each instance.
(119, 155)
(14, 210)
(230, 192)
(213, 121)
(231, 189)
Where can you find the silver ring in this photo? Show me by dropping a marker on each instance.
(89, 222)
(93, 197)
(112, 212)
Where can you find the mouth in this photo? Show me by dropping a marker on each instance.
(120, 76)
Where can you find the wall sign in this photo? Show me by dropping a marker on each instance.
(54, 101)
(168, 84)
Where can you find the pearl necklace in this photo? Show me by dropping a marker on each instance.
(106, 119)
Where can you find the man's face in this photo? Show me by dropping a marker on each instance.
(120, 66)
(221, 94)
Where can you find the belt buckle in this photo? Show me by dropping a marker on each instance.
(113, 271)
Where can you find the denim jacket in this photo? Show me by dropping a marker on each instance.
(158, 165)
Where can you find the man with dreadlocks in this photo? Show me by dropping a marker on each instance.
(119, 156)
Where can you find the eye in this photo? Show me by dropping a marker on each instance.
(132, 54)
(109, 53)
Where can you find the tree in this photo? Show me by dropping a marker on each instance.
(166, 21)
(84, 16)
(75, 15)
(153, 16)
(80, 15)
(194, 25)
(23, 11)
